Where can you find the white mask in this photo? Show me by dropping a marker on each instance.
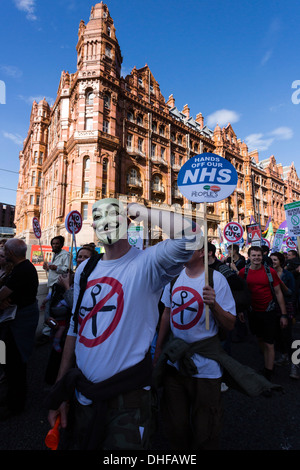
(109, 220)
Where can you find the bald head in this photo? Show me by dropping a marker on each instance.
(15, 249)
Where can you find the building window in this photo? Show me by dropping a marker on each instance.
(40, 179)
(108, 31)
(108, 50)
(140, 81)
(31, 200)
(33, 179)
(162, 130)
(84, 210)
(104, 188)
(85, 187)
(139, 119)
(86, 163)
(106, 126)
(172, 159)
(153, 150)
(106, 99)
(129, 141)
(162, 152)
(140, 144)
(105, 165)
(89, 98)
(130, 116)
(35, 157)
(154, 126)
(89, 124)
(38, 200)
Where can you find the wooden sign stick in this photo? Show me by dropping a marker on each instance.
(206, 263)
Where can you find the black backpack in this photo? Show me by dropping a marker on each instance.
(88, 269)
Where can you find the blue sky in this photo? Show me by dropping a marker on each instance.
(233, 61)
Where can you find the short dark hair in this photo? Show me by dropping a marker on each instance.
(87, 247)
(265, 249)
(255, 248)
(211, 247)
(60, 238)
(295, 252)
(235, 247)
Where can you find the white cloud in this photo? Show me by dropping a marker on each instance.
(28, 6)
(282, 133)
(37, 98)
(262, 142)
(11, 71)
(267, 56)
(16, 138)
(258, 142)
(222, 117)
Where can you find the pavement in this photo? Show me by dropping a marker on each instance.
(250, 424)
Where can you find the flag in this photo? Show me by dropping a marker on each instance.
(264, 233)
(252, 220)
(270, 232)
(220, 234)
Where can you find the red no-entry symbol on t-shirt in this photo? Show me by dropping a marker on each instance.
(194, 298)
(100, 307)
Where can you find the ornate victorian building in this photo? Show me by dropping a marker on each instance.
(109, 136)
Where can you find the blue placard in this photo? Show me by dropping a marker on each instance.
(207, 178)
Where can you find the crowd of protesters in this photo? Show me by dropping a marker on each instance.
(104, 382)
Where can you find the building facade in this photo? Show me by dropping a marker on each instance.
(110, 136)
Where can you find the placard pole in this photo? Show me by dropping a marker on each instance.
(71, 254)
(43, 256)
(298, 243)
(206, 263)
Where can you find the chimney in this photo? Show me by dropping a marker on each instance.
(186, 111)
(200, 119)
(171, 101)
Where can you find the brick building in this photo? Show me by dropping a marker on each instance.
(109, 136)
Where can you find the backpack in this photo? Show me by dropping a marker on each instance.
(87, 270)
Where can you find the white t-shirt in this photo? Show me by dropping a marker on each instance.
(119, 310)
(187, 317)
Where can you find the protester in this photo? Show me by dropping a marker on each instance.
(285, 339)
(20, 289)
(5, 269)
(263, 316)
(58, 265)
(266, 255)
(191, 405)
(111, 336)
(5, 266)
(61, 304)
(292, 258)
(238, 262)
(240, 293)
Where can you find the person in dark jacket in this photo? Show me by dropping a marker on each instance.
(20, 289)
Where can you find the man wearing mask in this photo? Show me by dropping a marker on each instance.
(111, 337)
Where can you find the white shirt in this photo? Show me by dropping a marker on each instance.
(187, 317)
(61, 260)
(119, 310)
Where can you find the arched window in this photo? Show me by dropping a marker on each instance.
(105, 164)
(89, 98)
(106, 100)
(86, 163)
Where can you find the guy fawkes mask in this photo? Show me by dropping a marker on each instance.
(109, 220)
